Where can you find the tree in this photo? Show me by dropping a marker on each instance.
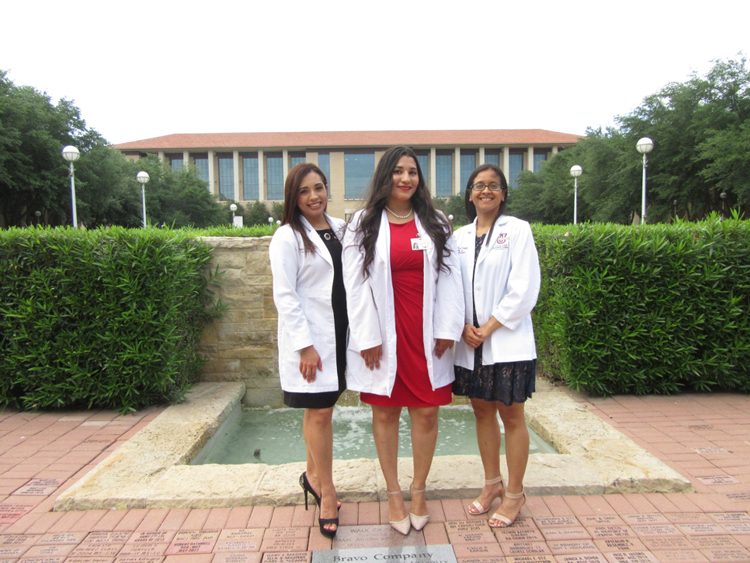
(256, 214)
(33, 175)
(178, 199)
(728, 153)
(454, 205)
(692, 124)
(701, 133)
(106, 189)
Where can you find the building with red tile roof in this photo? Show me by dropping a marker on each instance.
(247, 167)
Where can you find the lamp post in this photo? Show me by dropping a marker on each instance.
(232, 208)
(270, 220)
(575, 171)
(71, 154)
(644, 147)
(143, 178)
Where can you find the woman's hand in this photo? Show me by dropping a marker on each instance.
(372, 357)
(309, 363)
(489, 327)
(441, 345)
(472, 336)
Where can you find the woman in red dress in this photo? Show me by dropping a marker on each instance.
(403, 287)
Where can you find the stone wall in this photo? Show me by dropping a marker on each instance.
(242, 346)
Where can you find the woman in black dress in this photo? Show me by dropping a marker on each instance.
(308, 291)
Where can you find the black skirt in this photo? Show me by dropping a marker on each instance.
(508, 383)
(328, 399)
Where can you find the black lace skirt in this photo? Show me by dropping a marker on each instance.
(508, 383)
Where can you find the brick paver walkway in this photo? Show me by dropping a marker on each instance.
(706, 437)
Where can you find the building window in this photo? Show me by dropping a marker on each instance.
(358, 170)
(492, 157)
(175, 161)
(444, 173)
(201, 166)
(226, 177)
(538, 159)
(515, 167)
(324, 163)
(250, 189)
(275, 176)
(423, 157)
(468, 164)
(296, 158)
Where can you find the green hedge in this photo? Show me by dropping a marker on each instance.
(106, 318)
(646, 309)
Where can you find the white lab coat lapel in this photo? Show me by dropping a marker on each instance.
(383, 243)
(486, 249)
(313, 235)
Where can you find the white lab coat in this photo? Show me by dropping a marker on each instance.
(372, 319)
(302, 284)
(506, 286)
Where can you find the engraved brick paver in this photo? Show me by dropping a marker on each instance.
(681, 556)
(518, 549)
(568, 547)
(466, 550)
(143, 550)
(619, 544)
(631, 557)
(237, 558)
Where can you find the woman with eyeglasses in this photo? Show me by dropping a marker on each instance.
(496, 357)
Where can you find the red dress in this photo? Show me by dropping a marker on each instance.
(412, 387)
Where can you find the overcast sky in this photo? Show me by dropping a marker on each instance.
(144, 69)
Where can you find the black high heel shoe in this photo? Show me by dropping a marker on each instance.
(322, 522)
(305, 484)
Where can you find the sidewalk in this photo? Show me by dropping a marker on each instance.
(705, 437)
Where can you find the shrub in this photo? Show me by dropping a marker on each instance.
(106, 318)
(649, 309)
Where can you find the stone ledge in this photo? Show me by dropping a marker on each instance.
(151, 470)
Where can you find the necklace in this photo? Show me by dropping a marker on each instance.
(399, 216)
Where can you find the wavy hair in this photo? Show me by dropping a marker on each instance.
(292, 214)
(471, 210)
(435, 224)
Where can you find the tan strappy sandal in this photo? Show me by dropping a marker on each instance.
(477, 506)
(504, 520)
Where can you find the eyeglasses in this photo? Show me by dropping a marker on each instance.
(479, 186)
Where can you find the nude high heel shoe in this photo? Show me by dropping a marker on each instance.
(402, 526)
(417, 522)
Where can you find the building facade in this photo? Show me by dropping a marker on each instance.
(249, 167)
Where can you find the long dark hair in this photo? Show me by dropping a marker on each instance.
(292, 215)
(437, 226)
(471, 210)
